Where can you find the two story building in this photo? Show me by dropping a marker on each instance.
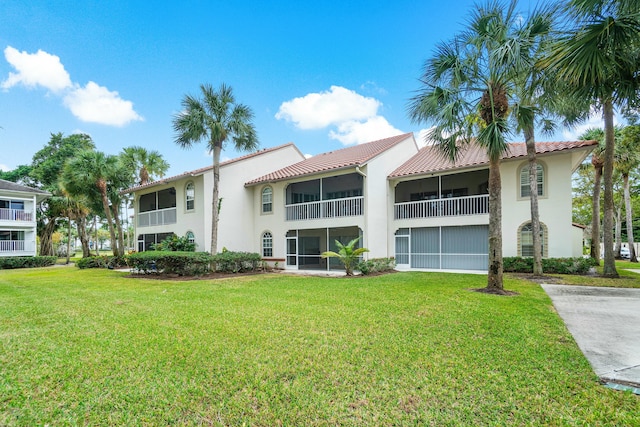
(411, 204)
(18, 231)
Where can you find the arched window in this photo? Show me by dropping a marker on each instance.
(525, 189)
(190, 196)
(267, 244)
(525, 247)
(267, 200)
(190, 237)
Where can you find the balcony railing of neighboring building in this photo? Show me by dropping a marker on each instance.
(334, 208)
(158, 217)
(15, 215)
(454, 206)
(13, 246)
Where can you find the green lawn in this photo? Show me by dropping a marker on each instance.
(93, 347)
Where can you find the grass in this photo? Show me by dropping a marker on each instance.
(627, 279)
(94, 347)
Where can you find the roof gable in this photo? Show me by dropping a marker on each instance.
(357, 155)
(430, 159)
(205, 169)
(18, 188)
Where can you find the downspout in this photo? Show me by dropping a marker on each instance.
(360, 172)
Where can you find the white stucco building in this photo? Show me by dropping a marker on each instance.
(403, 202)
(18, 205)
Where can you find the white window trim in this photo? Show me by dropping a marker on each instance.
(186, 197)
(262, 203)
(524, 166)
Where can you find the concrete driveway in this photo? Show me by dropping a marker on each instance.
(605, 323)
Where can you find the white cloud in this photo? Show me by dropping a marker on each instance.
(92, 103)
(354, 117)
(36, 69)
(594, 121)
(4, 167)
(97, 104)
(308, 156)
(319, 110)
(421, 137)
(355, 132)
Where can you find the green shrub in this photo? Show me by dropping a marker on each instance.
(376, 265)
(549, 265)
(235, 262)
(102, 261)
(180, 263)
(175, 244)
(7, 263)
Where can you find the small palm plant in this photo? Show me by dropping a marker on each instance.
(346, 254)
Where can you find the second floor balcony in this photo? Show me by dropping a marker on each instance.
(7, 214)
(335, 208)
(455, 206)
(157, 217)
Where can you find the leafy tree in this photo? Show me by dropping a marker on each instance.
(465, 94)
(598, 58)
(145, 164)
(46, 169)
(20, 175)
(215, 118)
(347, 254)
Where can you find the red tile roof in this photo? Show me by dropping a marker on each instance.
(210, 167)
(429, 159)
(348, 157)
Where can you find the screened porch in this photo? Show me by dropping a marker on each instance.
(332, 197)
(447, 195)
(304, 247)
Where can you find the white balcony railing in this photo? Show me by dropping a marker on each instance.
(15, 215)
(14, 246)
(335, 208)
(455, 206)
(159, 217)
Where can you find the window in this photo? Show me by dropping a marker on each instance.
(190, 196)
(267, 244)
(163, 199)
(190, 237)
(525, 190)
(526, 240)
(267, 200)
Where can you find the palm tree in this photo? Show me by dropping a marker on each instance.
(466, 89)
(347, 254)
(215, 118)
(626, 162)
(146, 164)
(598, 58)
(531, 101)
(88, 174)
(597, 160)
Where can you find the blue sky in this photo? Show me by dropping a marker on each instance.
(323, 74)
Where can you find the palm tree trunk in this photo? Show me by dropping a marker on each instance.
(46, 241)
(494, 279)
(116, 216)
(595, 220)
(68, 240)
(607, 225)
(629, 218)
(618, 228)
(533, 197)
(81, 225)
(215, 214)
(112, 232)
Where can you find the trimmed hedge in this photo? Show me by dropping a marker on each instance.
(549, 265)
(376, 265)
(102, 261)
(7, 263)
(236, 262)
(171, 262)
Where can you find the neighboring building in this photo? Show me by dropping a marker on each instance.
(18, 218)
(182, 205)
(402, 202)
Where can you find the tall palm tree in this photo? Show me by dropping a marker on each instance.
(598, 58)
(88, 174)
(146, 164)
(465, 94)
(597, 160)
(532, 89)
(627, 161)
(215, 118)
